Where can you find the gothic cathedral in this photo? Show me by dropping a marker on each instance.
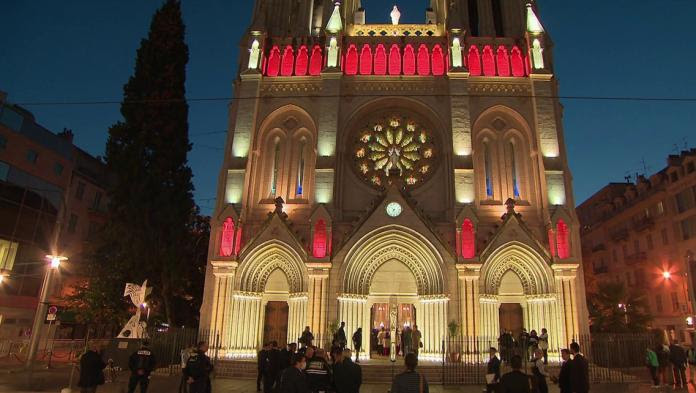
(391, 175)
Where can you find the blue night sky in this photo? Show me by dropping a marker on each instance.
(85, 51)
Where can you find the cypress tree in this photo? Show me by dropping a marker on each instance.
(150, 192)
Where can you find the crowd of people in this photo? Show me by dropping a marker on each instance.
(524, 345)
(408, 340)
(573, 376)
(669, 364)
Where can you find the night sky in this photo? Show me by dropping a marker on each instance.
(85, 51)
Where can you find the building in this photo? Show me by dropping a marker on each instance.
(392, 175)
(43, 177)
(644, 235)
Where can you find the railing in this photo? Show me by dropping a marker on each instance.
(384, 30)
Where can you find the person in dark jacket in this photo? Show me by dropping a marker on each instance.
(563, 379)
(260, 363)
(492, 371)
(347, 375)
(293, 379)
(141, 363)
(198, 369)
(579, 370)
(677, 356)
(410, 381)
(307, 338)
(285, 356)
(91, 370)
(318, 372)
(357, 344)
(271, 368)
(340, 338)
(662, 351)
(515, 381)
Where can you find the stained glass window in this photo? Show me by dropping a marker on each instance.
(489, 170)
(276, 162)
(513, 165)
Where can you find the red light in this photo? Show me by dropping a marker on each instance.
(503, 61)
(366, 60)
(474, 61)
(423, 60)
(380, 60)
(517, 62)
(302, 61)
(274, 62)
(468, 239)
(352, 60)
(319, 244)
(288, 61)
(394, 60)
(409, 60)
(488, 61)
(316, 61)
(562, 239)
(438, 61)
(227, 238)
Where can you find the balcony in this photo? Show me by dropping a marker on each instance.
(643, 224)
(636, 258)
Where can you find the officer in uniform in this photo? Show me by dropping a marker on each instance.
(141, 363)
(198, 369)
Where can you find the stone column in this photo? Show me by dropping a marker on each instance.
(297, 316)
(352, 309)
(469, 299)
(433, 314)
(565, 289)
(490, 318)
(317, 302)
(246, 324)
(220, 322)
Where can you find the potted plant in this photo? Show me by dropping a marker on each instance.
(454, 345)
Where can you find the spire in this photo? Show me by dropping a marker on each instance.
(533, 24)
(335, 24)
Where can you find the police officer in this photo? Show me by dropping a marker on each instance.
(198, 369)
(141, 363)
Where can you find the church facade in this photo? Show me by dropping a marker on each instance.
(391, 175)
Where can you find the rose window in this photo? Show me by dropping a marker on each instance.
(391, 148)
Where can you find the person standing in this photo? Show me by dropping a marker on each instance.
(307, 337)
(271, 368)
(185, 355)
(544, 344)
(260, 364)
(539, 371)
(141, 363)
(410, 381)
(357, 344)
(381, 340)
(286, 355)
(91, 370)
(293, 379)
(653, 365)
(515, 381)
(407, 341)
(347, 375)
(579, 370)
(341, 336)
(318, 372)
(492, 371)
(563, 380)
(662, 351)
(677, 356)
(198, 369)
(691, 358)
(416, 336)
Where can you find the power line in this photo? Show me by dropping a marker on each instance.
(214, 99)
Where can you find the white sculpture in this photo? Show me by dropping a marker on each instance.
(135, 328)
(395, 15)
(254, 54)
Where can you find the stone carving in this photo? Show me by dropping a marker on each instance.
(395, 15)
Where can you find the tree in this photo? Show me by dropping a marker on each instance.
(615, 309)
(150, 191)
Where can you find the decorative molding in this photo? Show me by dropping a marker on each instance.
(279, 87)
(499, 87)
(391, 30)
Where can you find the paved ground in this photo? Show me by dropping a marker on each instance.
(17, 381)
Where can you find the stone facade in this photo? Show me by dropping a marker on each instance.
(422, 173)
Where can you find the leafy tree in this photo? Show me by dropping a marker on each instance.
(616, 309)
(151, 207)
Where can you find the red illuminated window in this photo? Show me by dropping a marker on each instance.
(316, 61)
(288, 61)
(438, 61)
(562, 240)
(394, 60)
(552, 243)
(423, 60)
(366, 60)
(352, 61)
(488, 61)
(319, 243)
(409, 60)
(274, 62)
(503, 61)
(238, 241)
(380, 60)
(474, 61)
(227, 238)
(302, 61)
(516, 62)
(468, 239)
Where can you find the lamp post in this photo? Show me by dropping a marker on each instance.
(41, 308)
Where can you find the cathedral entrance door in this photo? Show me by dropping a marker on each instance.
(275, 327)
(511, 318)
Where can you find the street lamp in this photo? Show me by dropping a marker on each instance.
(55, 261)
(666, 275)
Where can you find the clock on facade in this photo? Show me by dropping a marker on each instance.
(393, 209)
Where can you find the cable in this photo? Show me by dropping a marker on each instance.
(211, 99)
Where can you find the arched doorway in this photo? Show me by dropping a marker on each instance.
(393, 276)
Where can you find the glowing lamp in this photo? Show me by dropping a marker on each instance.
(666, 275)
(690, 321)
(55, 260)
